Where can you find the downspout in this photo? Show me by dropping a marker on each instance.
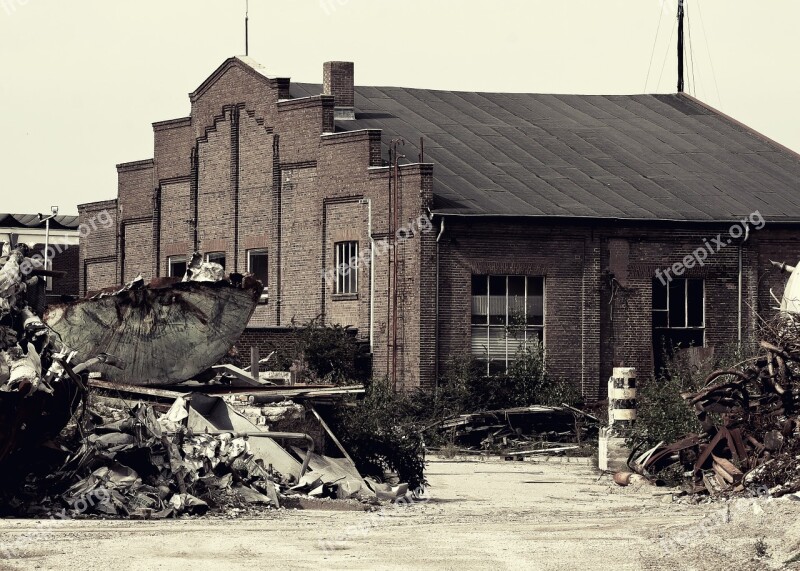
(436, 330)
(371, 276)
(746, 236)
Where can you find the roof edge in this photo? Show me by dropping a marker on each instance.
(742, 126)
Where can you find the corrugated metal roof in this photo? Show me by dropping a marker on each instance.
(649, 157)
(61, 222)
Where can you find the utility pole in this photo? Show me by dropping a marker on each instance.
(680, 46)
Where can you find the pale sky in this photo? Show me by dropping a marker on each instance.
(82, 81)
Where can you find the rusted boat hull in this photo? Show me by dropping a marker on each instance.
(163, 334)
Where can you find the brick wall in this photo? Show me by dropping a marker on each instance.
(97, 254)
(259, 171)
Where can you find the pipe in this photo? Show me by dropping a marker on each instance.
(746, 236)
(371, 277)
(436, 330)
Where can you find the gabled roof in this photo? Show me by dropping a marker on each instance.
(248, 64)
(62, 222)
(637, 157)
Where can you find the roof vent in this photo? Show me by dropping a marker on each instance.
(337, 80)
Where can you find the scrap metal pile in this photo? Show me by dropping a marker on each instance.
(750, 424)
(119, 458)
(520, 431)
(200, 456)
(41, 382)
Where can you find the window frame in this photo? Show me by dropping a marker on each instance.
(180, 259)
(207, 258)
(667, 310)
(265, 253)
(346, 284)
(529, 330)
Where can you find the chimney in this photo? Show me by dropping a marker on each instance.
(337, 80)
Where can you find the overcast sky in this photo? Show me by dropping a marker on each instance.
(82, 81)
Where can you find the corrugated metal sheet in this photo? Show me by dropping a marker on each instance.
(62, 222)
(650, 157)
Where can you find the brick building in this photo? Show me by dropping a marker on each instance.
(499, 218)
(63, 255)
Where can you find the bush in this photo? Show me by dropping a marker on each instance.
(326, 354)
(466, 388)
(381, 435)
(663, 414)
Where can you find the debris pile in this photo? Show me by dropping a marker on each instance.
(749, 421)
(521, 431)
(199, 457)
(41, 382)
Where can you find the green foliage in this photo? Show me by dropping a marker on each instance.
(663, 414)
(381, 435)
(466, 388)
(325, 354)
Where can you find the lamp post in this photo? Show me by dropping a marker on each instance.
(54, 211)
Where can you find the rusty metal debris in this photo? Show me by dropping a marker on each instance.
(42, 382)
(520, 431)
(749, 419)
(167, 331)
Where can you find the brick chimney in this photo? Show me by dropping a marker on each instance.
(337, 80)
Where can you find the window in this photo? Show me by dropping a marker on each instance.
(217, 258)
(176, 266)
(346, 267)
(507, 314)
(257, 265)
(678, 316)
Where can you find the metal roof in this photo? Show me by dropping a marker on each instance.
(60, 222)
(637, 157)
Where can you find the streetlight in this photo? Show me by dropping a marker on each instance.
(54, 210)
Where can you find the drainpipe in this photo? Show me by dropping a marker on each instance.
(436, 330)
(371, 275)
(746, 236)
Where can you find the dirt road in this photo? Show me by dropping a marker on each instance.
(481, 515)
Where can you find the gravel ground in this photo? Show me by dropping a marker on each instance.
(481, 514)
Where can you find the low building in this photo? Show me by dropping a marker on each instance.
(63, 255)
(447, 224)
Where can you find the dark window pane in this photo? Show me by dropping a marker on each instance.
(497, 300)
(677, 303)
(480, 300)
(217, 258)
(177, 268)
(516, 300)
(659, 295)
(258, 266)
(660, 319)
(694, 297)
(535, 301)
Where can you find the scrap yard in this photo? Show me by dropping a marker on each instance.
(345, 284)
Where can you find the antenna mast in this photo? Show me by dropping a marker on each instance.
(246, 25)
(680, 46)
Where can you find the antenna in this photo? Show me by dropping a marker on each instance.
(246, 26)
(680, 46)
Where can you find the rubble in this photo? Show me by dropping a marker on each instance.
(520, 431)
(749, 418)
(42, 382)
(200, 456)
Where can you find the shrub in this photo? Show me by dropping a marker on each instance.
(663, 414)
(380, 434)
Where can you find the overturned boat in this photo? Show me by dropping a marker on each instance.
(164, 332)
